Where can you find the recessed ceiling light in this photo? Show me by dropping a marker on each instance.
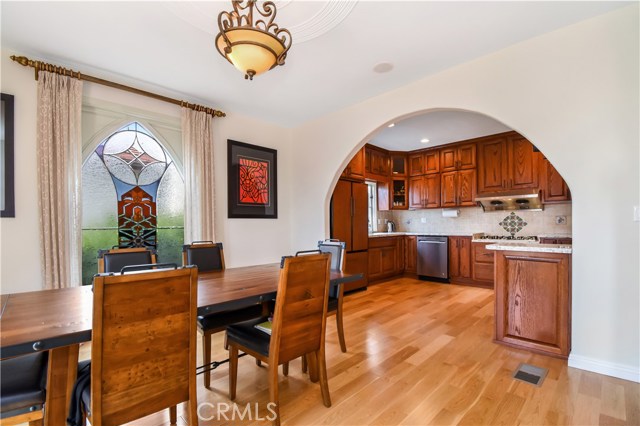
(383, 67)
(391, 125)
(424, 140)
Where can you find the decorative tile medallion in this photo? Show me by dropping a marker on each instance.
(513, 223)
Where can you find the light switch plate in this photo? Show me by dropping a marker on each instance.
(423, 220)
(636, 213)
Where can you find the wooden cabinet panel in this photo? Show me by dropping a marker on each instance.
(416, 164)
(384, 201)
(410, 254)
(458, 157)
(449, 192)
(398, 164)
(385, 257)
(355, 170)
(432, 161)
(460, 258)
(533, 301)
(356, 262)
(554, 188)
(424, 191)
(360, 218)
(377, 164)
(400, 194)
(341, 213)
(482, 263)
(523, 164)
(448, 160)
(458, 189)
(492, 166)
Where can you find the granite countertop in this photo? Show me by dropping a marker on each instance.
(540, 248)
(431, 234)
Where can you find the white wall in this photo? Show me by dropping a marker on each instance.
(574, 94)
(246, 241)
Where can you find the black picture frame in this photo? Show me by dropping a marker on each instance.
(7, 183)
(252, 177)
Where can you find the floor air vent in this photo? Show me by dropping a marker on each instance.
(530, 374)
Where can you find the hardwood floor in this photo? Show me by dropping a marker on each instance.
(421, 353)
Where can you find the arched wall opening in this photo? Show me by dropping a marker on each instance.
(448, 126)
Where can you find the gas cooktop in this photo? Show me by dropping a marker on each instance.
(506, 237)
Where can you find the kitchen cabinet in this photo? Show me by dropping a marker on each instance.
(357, 262)
(460, 259)
(424, 191)
(554, 188)
(424, 162)
(383, 191)
(398, 164)
(458, 157)
(355, 169)
(410, 254)
(400, 194)
(533, 301)
(377, 163)
(386, 257)
(349, 223)
(458, 189)
(349, 218)
(507, 163)
(483, 263)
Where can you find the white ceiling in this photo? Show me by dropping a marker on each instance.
(168, 47)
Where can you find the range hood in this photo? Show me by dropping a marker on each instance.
(513, 200)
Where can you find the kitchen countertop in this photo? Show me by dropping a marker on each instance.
(540, 248)
(431, 234)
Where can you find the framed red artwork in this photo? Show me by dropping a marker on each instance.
(252, 181)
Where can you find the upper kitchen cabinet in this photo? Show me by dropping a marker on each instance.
(460, 157)
(377, 164)
(424, 163)
(398, 164)
(458, 188)
(507, 162)
(355, 170)
(424, 191)
(554, 188)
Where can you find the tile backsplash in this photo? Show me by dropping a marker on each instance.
(473, 219)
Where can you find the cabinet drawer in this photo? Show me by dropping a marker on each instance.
(481, 254)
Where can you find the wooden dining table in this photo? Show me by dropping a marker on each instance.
(59, 320)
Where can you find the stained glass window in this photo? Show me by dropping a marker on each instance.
(132, 197)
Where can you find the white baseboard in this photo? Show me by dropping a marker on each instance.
(620, 371)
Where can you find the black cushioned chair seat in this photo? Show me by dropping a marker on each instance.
(23, 381)
(222, 319)
(114, 262)
(250, 337)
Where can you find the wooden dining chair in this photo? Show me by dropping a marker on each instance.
(209, 256)
(143, 348)
(22, 389)
(114, 259)
(298, 326)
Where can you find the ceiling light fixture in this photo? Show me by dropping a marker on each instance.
(425, 140)
(253, 44)
(391, 125)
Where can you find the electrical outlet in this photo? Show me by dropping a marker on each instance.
(379, 222)
(636, 213)
(561, 220)
(423, 220)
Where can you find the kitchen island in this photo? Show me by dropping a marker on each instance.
(533, 297)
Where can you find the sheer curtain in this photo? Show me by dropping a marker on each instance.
(59, 169)
(197, 145)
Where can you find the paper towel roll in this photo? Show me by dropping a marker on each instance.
(450, 212)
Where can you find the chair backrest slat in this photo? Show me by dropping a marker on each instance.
(299, 319)
(114, 260)
(143, 343)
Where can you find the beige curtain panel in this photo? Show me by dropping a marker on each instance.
(197, 145)
(59, 169)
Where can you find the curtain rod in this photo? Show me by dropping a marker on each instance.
(39, 65)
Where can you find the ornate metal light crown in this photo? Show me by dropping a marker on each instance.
(253, 44)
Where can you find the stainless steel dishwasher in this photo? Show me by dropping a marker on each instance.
(433, 258)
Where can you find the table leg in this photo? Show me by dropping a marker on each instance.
(63, 368)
